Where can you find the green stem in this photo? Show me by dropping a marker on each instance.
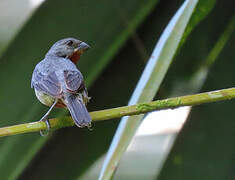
(190, 100)
(221, 42)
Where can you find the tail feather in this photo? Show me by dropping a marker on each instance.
(78, 111)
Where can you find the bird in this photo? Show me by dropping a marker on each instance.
(57, 81)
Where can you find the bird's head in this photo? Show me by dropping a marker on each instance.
(70, 48)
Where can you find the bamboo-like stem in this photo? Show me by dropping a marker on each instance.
(170, 103)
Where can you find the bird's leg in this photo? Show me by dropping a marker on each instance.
(85, 97)
(45, 119)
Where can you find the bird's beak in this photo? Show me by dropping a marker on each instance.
(82, 48)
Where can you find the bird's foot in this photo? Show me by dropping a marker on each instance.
(45, 132)
(90, 126)
(88, 99)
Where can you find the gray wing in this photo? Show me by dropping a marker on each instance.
(47, 83)
(73, 80)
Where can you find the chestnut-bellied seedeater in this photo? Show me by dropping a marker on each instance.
(58, 82)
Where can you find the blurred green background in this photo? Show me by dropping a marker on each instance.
(122, 35)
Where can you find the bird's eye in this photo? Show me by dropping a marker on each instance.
(69, 43)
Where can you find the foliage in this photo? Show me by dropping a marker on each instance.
(122, 34)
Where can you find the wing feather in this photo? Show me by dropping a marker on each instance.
(73, 80)
(47, 83)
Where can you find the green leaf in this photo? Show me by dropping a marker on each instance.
(148, 85)
(203, 148)
(202, 9)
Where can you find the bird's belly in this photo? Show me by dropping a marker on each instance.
(44, 98)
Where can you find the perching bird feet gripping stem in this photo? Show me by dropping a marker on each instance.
(45, 132)
(45, 119)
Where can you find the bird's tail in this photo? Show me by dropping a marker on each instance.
(78, 110)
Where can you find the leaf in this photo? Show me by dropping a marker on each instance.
(13, 15)
(148, 85)
(202, 9)
(203, 148)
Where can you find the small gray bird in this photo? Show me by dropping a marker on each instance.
(57, 81)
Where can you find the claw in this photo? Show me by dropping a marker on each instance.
(90, 126)
(45, 119)
(45, 132)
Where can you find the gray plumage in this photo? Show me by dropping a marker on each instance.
(57, 77)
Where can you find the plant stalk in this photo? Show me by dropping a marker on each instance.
(170, 103)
